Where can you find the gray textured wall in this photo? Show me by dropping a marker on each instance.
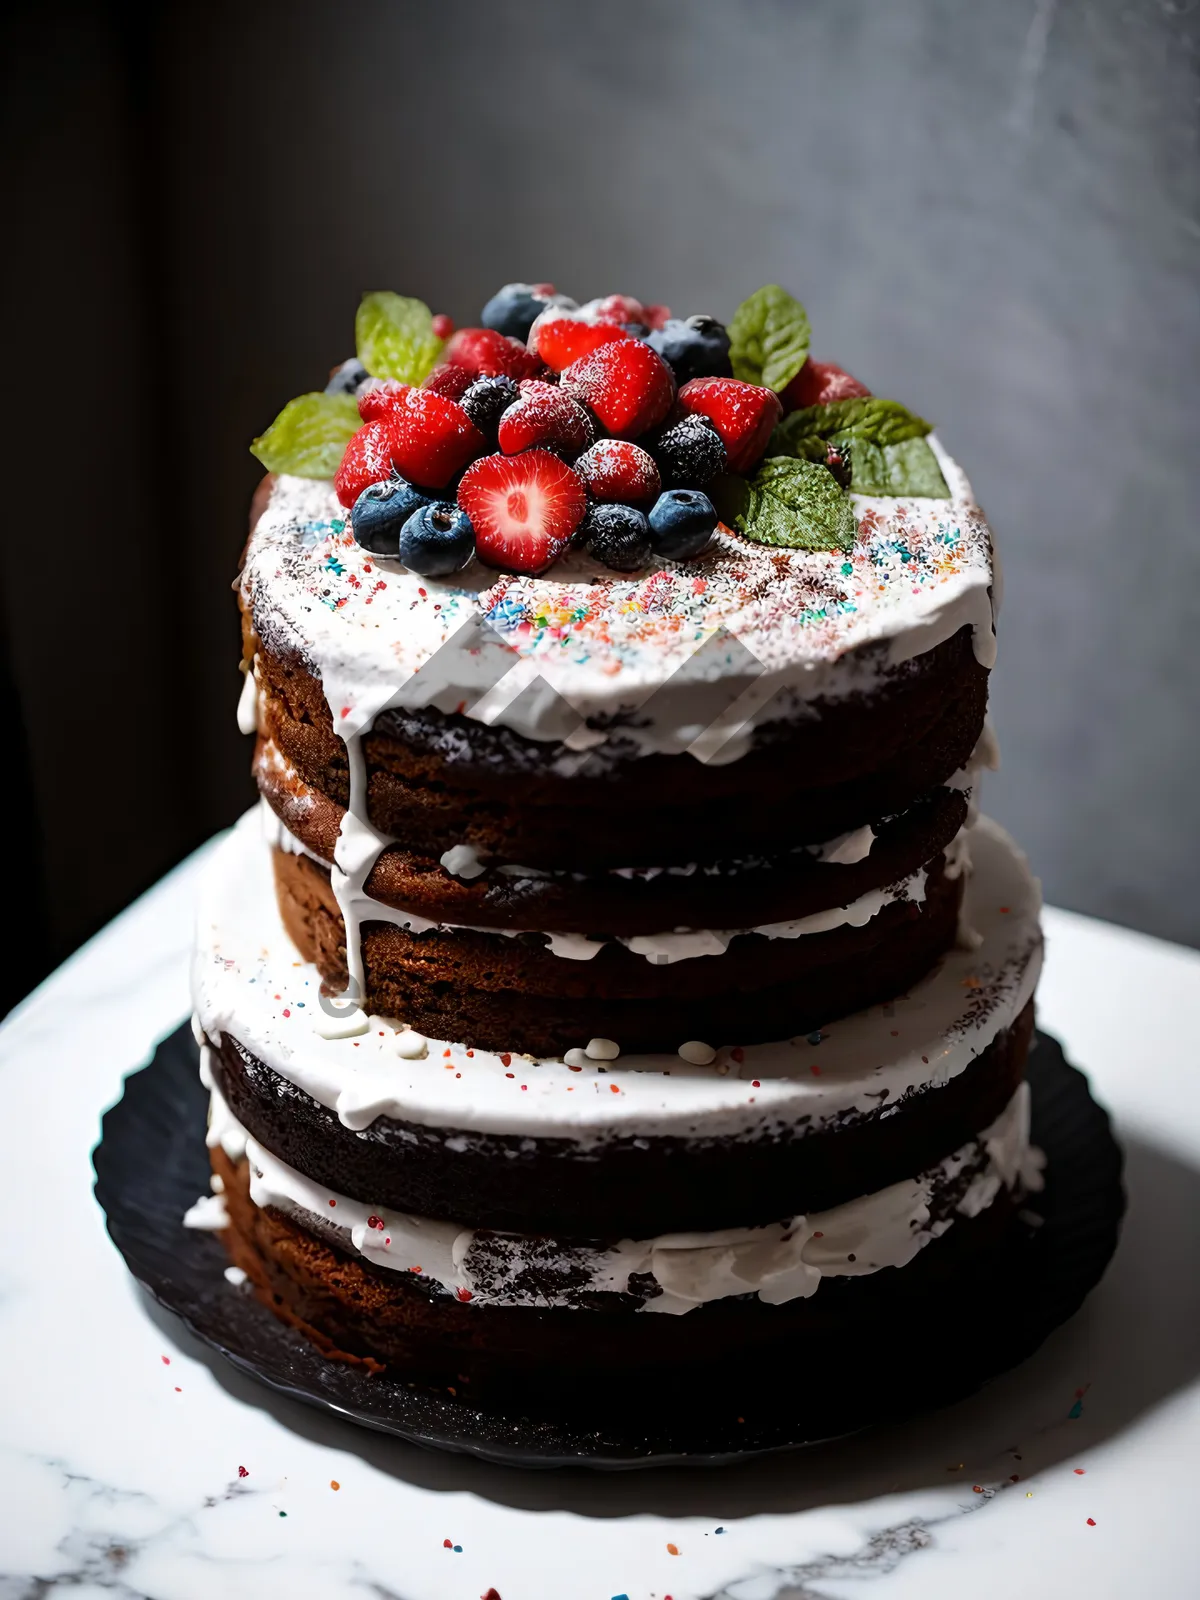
(990, 209)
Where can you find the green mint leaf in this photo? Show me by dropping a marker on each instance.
(395, 337)
(309, 436)
(867, 417)
(908, 468)
(793, 503)
(768, 338)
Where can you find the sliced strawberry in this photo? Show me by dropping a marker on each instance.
(449, 379)
(819, 383)
(544, 415)
(432, 438)
(488, 354)
(628, 385)
(742, 413)
(367, 459)
(560, 337)
(615, 470)
(379, 400)
(523, 508)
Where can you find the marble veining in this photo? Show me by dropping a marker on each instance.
(134, 1463)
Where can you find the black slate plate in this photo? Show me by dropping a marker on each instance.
(151, 1164)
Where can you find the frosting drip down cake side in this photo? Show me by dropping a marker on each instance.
(617, 973)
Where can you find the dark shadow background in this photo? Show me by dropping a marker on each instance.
(992, 211)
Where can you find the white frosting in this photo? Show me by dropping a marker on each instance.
(249, 981)
(247, 711)
(688, 657)
(780, 1262)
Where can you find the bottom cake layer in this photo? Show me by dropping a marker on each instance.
(548, 1324)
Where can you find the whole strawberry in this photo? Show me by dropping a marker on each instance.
(367, 460)
(820, 383)
(488, 354)
(432, 438)
(744, 414)
(629, 386)
(544, 415)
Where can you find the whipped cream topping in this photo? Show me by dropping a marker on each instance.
(688, 657)
(248, 981)
(784, 1261)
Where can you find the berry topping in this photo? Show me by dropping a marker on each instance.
(524, 508)
(619, 536)
(432, 437)
(681, 523)
(837, 459)
(442, 325)
(346, 378)
(486, 401)
(689, 452)
(544, 415)
(614, 469)
(742, 413)
(437, 539)
(819, 383)
(486, 353)
(450, 380)
(512, 310)
(559, 337)
(367, 459)
(697, 348)
(623, 310)
(380, 512)
(378, 401)
(628, 386)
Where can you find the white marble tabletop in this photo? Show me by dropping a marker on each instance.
(134, 1463)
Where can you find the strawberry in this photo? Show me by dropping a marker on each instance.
(523, 508)
(742, 413)
(377, 402)
(449, 380)
(559, 337)
(544, 415)
(488, 354)
(614, 469)
(819, 383)
(432, 438)
(629, 386)
(367, 459)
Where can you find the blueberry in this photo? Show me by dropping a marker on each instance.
(682, 522)
(617, 535)
(486, 401)
(346, 378)
(436, 540)
(380, 512)
(512, 309)
(697, 348)
(689, 453)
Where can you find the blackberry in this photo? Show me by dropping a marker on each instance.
(486, 400)
(617, 535)
(689, 453)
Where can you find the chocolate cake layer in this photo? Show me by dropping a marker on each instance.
(725, 894)
(629, 1187)
(435, 780)
(731, 1353)
(502, 992)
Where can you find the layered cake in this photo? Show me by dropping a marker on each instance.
(616, 998)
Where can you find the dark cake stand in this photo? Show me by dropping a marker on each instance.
(151, 1163)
